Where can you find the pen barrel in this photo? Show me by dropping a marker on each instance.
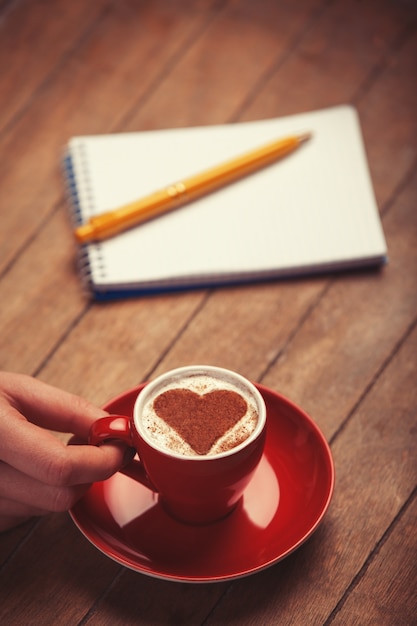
(195, 186)
(163, 200)
(229, 171)
(113, 222)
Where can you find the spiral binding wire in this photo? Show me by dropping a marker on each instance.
(90, 259)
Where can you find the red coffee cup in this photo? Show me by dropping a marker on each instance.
(196, 488)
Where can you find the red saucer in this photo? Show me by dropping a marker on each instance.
(281, 508)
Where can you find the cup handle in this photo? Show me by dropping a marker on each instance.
(117, 428)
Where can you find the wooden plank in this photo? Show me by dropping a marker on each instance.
(40, 312)
(139, 600)
(115, 347)
(245, 329)
(219, 72)
(111, 361)
(10, 540)
(54, 558)
(43, 299)
(388, 114)
(385, 590)
(40, 27)
(343, 51)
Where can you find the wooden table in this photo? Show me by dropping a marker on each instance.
(341, 346)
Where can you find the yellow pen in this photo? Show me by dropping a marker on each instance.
(113, 222)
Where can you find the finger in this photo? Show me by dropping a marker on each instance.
(48, 406)
(39, 454)
(31, 496)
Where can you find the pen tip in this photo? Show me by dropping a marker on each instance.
(304, 137)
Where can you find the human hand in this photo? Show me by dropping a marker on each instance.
(38, 472)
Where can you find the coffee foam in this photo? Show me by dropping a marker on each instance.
(165, 437)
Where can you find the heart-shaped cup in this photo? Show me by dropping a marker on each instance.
(199, 432)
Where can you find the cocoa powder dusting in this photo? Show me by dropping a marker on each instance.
(200, 419)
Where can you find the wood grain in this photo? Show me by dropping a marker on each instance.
(341, 346)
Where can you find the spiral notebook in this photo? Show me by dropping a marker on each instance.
(313, 211)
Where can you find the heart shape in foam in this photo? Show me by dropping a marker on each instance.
(200, 419)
